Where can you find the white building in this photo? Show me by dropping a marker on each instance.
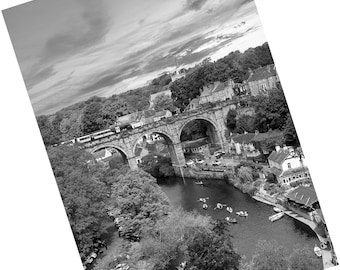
(288, 165)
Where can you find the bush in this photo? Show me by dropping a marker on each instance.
(257, 183)
(266, 186)
(249, 188)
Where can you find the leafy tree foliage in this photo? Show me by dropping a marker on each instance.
(92, 118)
(234, 66)
(289, 133)
(194, 238)
(245, 174)
(114, 108)
(163, 102)
(140, 202)
(303, 258)
(231, 120)
(83, 196)
(162, 80)
(269, 255)
(245, 123)
(167, 241)
(208, 250)
(50, 134)
(270, 111)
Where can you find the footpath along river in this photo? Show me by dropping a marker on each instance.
(287, 231)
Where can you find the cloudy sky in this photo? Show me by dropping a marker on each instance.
(70, 50)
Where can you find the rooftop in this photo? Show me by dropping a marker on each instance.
(259, 137)
(215, 87)
(279, 156)
(243, 138)
(295, 170)
(303, 195)
(262, 73)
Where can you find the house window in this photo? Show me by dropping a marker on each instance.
(289, 165)
(289, 179)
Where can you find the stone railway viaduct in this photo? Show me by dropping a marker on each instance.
(170, 129)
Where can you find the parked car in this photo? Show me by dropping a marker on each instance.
(190, 162)
(216, 163)
(199, 161)
(219, 154)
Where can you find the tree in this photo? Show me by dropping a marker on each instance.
(92, 119)
(140, 202)
(245, 174)
(289, 133)
(245, 123)
(163, 102)
(212, 250)
(50, 134)
(114, 108)
(269, 255)
(303, 258)
(231, 120)
(83, 197)
(270, 111)
(168, 239)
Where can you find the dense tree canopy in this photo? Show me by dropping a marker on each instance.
(163, 102)
(212, 250)
(269, 255)
(193, 238)
(289, 132)
(92, 118)
(83, 196)
(303, 258)
(139, 202)
(50, 134)
(234, 66)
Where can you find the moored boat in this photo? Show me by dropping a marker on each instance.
(277, 209)
(229, 209)
(219, 206)
(205, 206)
(242, 213)
(317, 251)
(204, 200)
(276, 216)
(200, 183)
(231, 220)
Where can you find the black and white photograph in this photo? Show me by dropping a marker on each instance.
(168, 136)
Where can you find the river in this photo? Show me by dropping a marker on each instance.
(287, 231)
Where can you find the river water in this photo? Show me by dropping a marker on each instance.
(287, 231)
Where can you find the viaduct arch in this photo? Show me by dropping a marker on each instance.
(170, 129)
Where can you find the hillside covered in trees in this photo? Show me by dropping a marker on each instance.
(98, 112)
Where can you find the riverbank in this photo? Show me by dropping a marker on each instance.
(326, 253)
(261, 196)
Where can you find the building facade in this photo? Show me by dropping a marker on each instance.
(262, 80)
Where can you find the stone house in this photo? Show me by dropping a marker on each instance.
(217, 91)
(242, 143)
(262, 80)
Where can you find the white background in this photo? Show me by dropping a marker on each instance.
(302, 35)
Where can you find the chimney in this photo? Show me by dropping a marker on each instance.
(256, 132)
(268, 68)
(277, 148)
